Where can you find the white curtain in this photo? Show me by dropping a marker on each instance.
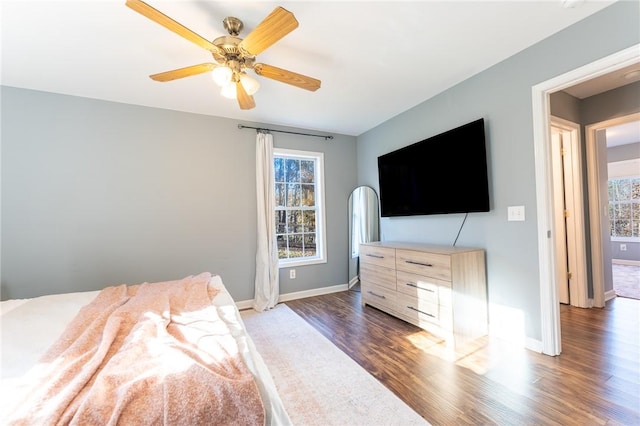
(267, 278)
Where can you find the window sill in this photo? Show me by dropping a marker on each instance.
(295, 263)
(625, 239)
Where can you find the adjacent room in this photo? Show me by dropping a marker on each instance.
(329, 213)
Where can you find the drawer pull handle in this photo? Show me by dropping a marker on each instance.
(420, 288)
(376, 295)
(419, 263)
(377, 256)
(422, 312)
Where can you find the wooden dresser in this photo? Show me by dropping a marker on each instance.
(438, 288)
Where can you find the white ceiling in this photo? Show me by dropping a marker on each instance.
(375, 59)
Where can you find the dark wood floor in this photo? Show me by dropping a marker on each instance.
(595, 381)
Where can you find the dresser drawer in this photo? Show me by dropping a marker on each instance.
(429, 264)
(381, 256)
(419, 286)
(371, 273)
(380, 297)
(417, 310)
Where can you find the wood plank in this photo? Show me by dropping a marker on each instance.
(594, 381)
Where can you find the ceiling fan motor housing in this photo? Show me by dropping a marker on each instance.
(229, 45)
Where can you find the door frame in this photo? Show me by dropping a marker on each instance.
(578, 287)
(596, 213)
(549, 306)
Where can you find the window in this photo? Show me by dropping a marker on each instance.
(299, 192)
(624, 207)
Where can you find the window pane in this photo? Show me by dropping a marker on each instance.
(623, 211)
(281, 222)
(309, 221)
(635, 189)
(610, 186)
(293, 195)
(280, 195)
(293, 170)
(294, 221)
(307, 174)
(310, 245)
(278, 168)
(295, 245)
(622, 189)
(308, 195)
(283, 253)
(623, 228)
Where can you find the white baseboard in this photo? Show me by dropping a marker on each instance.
(626, 262)
(248, 304)
(353, 281)
(533, 345)
(608, 295)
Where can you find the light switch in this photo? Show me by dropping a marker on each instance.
(515, 213)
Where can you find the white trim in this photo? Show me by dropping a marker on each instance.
(626, 262)
(550, 316)
(611, 294)
(550, 312)
(247, 304)
(533, 345)
(321, 219)
(595, 202)
(353, 281)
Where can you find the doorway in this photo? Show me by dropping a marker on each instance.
(598, 174)
(549, 304)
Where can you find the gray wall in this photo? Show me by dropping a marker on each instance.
(502, 95)
(97, 193)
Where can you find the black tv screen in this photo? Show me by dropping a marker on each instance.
(443, 174)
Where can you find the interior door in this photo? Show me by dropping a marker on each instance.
(569, 238)
(559, 208)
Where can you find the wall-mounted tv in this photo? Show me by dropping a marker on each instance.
(446, 173)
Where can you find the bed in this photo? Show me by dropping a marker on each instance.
(173, 352)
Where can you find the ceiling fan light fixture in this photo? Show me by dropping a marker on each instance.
(249, 83)
(222, 75)
(229, 91)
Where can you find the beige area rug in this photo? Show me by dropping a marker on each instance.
(318, 383)
(626, 280)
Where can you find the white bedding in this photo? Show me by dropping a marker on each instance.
(29, 326)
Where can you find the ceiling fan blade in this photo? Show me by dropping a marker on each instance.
(244, 99)
(276, 25)
(289, 77)
(183, 72)
(162, 19)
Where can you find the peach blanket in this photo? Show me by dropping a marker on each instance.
(145, 354)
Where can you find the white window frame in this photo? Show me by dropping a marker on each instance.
(617, 238)
(321, 237)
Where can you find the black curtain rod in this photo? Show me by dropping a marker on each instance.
(242, 126)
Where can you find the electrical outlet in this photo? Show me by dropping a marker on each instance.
(292, 274)
(515, 213)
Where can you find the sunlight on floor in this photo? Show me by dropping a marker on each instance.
(483, 354)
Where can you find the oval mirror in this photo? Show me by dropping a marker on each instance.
(363, 225)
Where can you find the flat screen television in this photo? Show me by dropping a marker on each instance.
(446, 173)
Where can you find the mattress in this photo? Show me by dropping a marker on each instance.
(30, 326)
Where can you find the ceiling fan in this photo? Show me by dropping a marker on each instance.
(233, 55)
